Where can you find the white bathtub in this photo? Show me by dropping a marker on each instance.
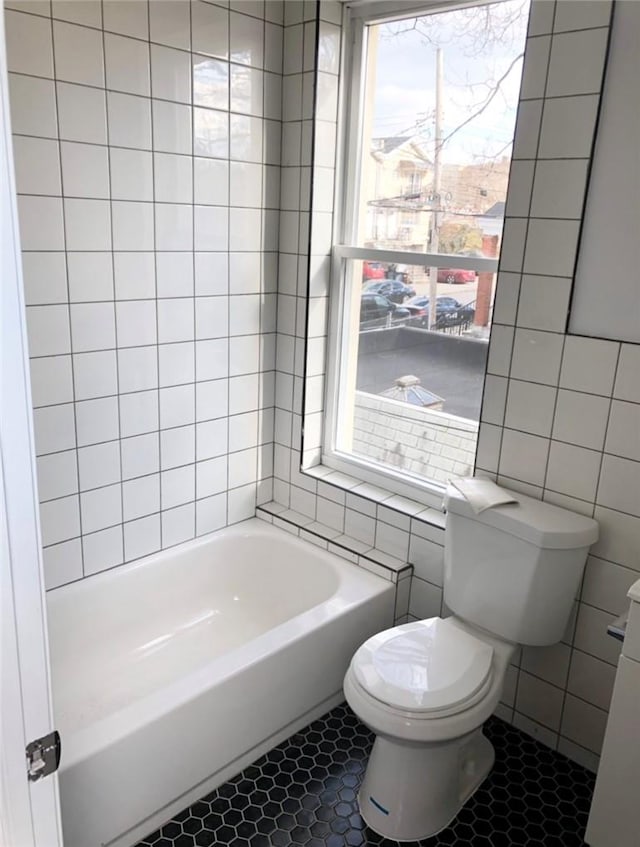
(172, 673)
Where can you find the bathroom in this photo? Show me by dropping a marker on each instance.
(178, 318)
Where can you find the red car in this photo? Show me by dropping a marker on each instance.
(373, 270)
(455, 275)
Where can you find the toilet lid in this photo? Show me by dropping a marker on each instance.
(423, 666)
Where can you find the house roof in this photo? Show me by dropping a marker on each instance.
(495, 211)
(412, 144)
(386, 145)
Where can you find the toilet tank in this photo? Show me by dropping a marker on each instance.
(515, 570)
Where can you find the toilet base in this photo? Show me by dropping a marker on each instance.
(411, 792)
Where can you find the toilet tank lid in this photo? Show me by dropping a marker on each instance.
(540, 523)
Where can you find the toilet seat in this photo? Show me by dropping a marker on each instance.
(428, 668)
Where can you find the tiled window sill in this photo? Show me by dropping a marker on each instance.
(375, 561)
(378, 496)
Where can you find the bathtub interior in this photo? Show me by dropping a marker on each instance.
(124, 634)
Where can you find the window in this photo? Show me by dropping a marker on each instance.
(429, 120)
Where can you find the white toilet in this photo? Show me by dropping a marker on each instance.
(425, 688)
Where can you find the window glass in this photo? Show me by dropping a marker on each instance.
(433, 146)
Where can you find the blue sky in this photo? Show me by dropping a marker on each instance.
(405, 84)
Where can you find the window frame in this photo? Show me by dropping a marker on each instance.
(358, 16)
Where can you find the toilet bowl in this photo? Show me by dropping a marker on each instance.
(425, 689)
(511, 574)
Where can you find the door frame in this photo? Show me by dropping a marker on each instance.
(29, 811)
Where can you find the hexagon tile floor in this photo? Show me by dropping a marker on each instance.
(303, 794)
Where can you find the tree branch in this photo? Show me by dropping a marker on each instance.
(494, 92)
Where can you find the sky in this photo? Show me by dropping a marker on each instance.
(405, 80)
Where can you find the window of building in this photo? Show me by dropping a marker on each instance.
(429, 120)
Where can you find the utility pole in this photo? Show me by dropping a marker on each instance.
(437, 181)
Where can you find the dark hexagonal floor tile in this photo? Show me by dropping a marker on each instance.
(304, 794)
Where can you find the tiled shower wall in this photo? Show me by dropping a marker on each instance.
(147, 150)
(560, 414)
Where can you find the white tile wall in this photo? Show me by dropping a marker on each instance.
(131, 332)
(561, 388)
(575, 447)
(548, 413)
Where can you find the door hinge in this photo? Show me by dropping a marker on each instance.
(43, 756)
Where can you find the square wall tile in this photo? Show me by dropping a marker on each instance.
(131, 175)
(138, 413)
(78, 54)
(141, 497)
(92, 326)
(97, 421)
(54, 428)
(126, 18)
(60, 520)
(94, 374)
(85, 170)
(129, 120)
(102, 550)
(140, 455)
(551, 247)
(142, 536)
(581, 419)
(539, 700)
(537, 356)
(90, 276)
(178, 525)
(170, 74)
(29, 48)
(544, 302)
(136, 323)
(99, 465)
(627, 384)
(134, 275)
(173, 178)
(530, 407)
(210, 29)
(623, 431)
(41, 226)
(171, 127)
(534, 71)
(568, 124)
(127, 62)
(62, 563)
(606, 584)
(51, 380)
(559, 189)
(619, 485)
(589, 364)
(48, 330)
(88, 224)
(138, 368)
(37, 166)
(523, 457)
(576, 63)
(101, 508)
(177, 447)
(169, 23)
(573, 471)
(33, 106)
(583, 723)
(246, 36)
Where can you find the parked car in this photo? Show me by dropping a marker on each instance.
(373, 270)
(449, 311)
(455, 275)
(375, 310)
(392, 289)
